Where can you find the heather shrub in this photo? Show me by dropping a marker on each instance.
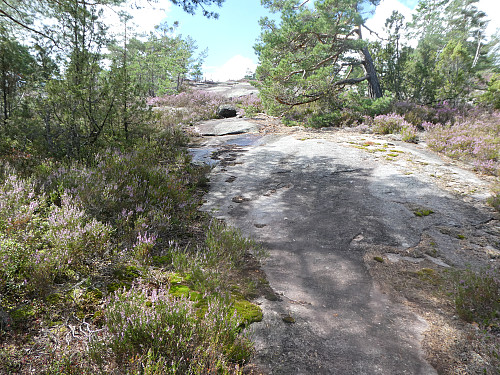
(344, 111)
(416, 114)
(41, 241)
(446, 113)
(393, 124)
(477, 296)
(146, 194)
(388, 124)
(413, 113)
(227, 246)
(188, 107)
(409, 133)
(473, 139)
(147, 326)
(251, 105)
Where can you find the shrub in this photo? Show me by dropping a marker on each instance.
(417, 114)
(227, 245)
(147, 190)
(409, 133)
(477, 296)
(40, 241)
(364, 106)
(348, 110)
(473, 139)
(387, 124)
(393, 124)
(147, 327)
(251, 105)
(188, 107)
(491, 97)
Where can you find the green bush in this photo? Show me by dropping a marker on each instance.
(388, 124)
(491, 97)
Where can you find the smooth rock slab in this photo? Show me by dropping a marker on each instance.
(226, 127)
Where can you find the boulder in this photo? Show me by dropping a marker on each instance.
(226, 111)
(225, 127)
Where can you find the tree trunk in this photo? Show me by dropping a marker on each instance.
(374, 89)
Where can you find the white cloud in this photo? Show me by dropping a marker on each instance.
(145, 15)
(235, 68)
(382, 12)
(492, 10)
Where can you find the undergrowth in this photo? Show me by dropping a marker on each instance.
(112, 254)
(474, 139)
(477, 296)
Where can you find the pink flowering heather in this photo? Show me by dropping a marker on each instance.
(474, 139)
(188, 107)
(251, 105)
(39, 241)
(393, 123)
(147, 322)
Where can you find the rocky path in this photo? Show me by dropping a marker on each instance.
(325, 204)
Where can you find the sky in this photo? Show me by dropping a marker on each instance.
(231, 37)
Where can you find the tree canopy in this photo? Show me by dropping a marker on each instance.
(316, 54)
(69, 85)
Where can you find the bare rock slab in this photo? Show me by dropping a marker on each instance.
(226, 127)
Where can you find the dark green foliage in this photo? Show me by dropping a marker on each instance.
(190, 6)
(309, 57)
(491, 97)
(301, 70)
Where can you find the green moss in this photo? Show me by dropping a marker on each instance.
(393, 155)
(185, 292)
(111, 288)
(127, 273)
(176, 278)
(23, 314)
(92, 296)
(247, 311)
(421, 212)
(98, 317)
(54, 298)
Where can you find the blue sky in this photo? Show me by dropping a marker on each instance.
(230, 39)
